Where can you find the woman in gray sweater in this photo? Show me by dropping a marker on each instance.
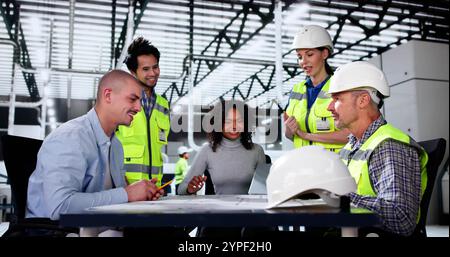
(230, 157)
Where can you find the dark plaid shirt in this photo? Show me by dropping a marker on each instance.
(148, 102)
(394, 171)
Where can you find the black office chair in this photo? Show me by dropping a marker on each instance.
(166, 178)
(435, 149)
(268, 159)
(209, 186)
(20, 156)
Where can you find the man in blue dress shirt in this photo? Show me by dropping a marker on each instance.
(80, 163)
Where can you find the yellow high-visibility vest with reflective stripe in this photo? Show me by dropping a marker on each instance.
(180, 170)
(143, 141)
(358, 165)
(317, 119)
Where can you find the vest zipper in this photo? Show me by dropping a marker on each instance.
(308, 110)
(149, 137)
(149, 146)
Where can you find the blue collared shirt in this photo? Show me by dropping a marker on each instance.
(313, 91)
(71, 167)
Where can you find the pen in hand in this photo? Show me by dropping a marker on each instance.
(166, 184)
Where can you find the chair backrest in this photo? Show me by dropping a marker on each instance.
(436, 150)
(268, 159)
(209, 186)
(20, 156)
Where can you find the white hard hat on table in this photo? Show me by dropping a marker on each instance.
(309, 169)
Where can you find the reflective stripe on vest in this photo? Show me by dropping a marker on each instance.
(140, 168)
(358, 165)
(297, 96)
(135, 141)
(136, 172)
(358, 156)
(161, 108)
(315, 120)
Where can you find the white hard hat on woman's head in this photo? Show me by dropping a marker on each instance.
(358, 75)
(183, 149)
(309, 169)
(312, 36)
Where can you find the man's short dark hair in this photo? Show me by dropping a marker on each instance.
(139, 46)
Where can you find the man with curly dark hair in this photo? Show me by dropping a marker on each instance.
(144, 139)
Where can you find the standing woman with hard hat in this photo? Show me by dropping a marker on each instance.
(307, 120)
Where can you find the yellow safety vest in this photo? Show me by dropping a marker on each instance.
(317, 119)
(358, 165)
(140, 136)
(180, 170)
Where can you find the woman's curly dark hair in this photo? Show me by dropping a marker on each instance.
(221, 110)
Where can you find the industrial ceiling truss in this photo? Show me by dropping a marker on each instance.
(212, 49)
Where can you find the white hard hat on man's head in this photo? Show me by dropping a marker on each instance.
(359, 75)
(312, 36)
(309, 169)
(183, 149)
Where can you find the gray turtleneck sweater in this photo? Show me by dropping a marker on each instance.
(231, 167)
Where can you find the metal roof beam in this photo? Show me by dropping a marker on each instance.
(137, 19)
(216, 43)
(9, 10)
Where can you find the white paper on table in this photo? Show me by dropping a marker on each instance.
(189, 203)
